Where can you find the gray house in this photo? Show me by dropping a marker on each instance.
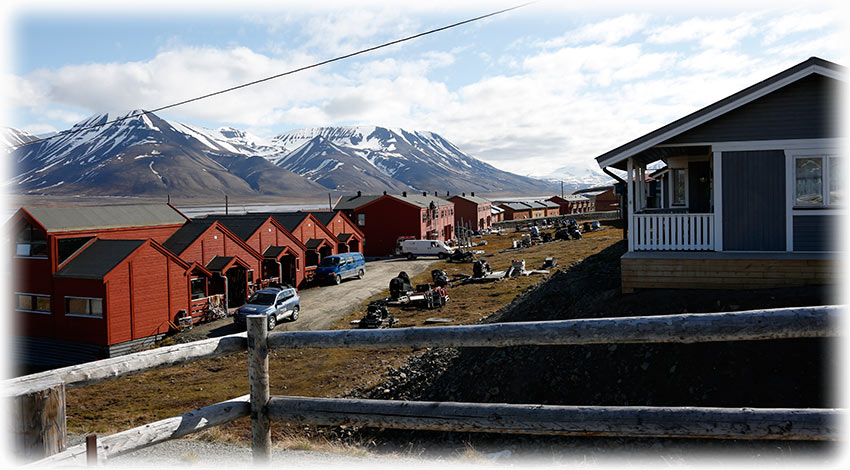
(750, 186)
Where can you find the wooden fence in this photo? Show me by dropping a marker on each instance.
(724, 423)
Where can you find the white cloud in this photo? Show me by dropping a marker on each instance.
(798, 21)
(608, 31)
(717, 33)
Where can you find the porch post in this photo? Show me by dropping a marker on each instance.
(630, 202)
(718, 201)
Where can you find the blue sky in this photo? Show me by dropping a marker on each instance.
(541, 88)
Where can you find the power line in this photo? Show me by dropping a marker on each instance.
(273, 77)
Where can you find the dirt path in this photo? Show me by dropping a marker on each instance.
(322, 306)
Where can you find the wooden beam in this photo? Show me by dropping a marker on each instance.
(258, 380)
(624, 421)
(105, 369)
(38, 422)
(803, 322)
(154, 433)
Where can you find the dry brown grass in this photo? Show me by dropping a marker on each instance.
(143, 398)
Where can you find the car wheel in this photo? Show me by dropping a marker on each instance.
(272, 322)
(294, 315)
(410, 256)
(441, 255)
(360, 274)
(337, 279)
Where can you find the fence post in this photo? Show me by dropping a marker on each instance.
(258, 378)
(39, 418)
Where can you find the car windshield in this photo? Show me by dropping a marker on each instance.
(330, 262)
(262, 298)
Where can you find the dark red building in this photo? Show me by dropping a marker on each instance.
(385, 219)
(74, 269)
(472, 211)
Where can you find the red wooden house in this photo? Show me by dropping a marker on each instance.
(472, 211)
(384, 219)
(573, 203)
(283, 253)
(108, 299)
(233, 264)
(349, 237)
(515, 210)
(318, 240)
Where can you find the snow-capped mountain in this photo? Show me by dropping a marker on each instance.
(414, 159)
(11, 138)
(145, 155)
(142, 154)
(575, 178)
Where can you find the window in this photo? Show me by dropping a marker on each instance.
(31, 242)
(679, 191)
(65, 247)
(199, 290)
(817, 181)
(37, 303)
(84, 307)
(361, 219)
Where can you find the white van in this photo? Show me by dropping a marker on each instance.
(413, 248)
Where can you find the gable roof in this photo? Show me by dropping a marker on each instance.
(71, 219)
(515, 206)
(325, 217)
(185, 235)
(95, 261)
(813, 65)
(474, 199)
(422, 201)
(289, 220)
(243, 226)
(353, 202)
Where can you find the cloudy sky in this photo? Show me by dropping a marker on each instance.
(529, 91)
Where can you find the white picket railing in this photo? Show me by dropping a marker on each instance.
(676, 232)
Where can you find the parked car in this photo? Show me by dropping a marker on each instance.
(413, 248)
(274, 302)
(333, 269)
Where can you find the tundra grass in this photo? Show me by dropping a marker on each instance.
(132, 401)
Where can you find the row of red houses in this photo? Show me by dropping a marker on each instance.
(100, 281)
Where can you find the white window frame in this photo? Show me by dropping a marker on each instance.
(80, 315)
(40, 312)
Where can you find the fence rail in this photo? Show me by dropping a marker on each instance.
(736, 423)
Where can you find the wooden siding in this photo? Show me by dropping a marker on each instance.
(805, 109)
(754, 201)
(716, 273)
(815, 232)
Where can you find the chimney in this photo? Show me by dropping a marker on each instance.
(404, 194)
(424, 193)
(435, 193)
(472, 194)
(385, 193)
(359, 193)
(463, 194)
(447, 194)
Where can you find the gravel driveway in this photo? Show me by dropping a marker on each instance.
(322, 306)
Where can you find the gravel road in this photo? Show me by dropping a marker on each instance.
(322, 306)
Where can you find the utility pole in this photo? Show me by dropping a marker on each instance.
(562, 189)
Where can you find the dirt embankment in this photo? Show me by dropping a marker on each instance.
(778, 373)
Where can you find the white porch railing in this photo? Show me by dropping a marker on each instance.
(676, 232)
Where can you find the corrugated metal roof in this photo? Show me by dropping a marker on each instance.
(99, 258)
(517, 206)
(423, 201)
(549, 204)
(69, 219)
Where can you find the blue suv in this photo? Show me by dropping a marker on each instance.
(275, 303)
(333, 269)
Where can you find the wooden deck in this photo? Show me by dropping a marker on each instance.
(726, 270)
